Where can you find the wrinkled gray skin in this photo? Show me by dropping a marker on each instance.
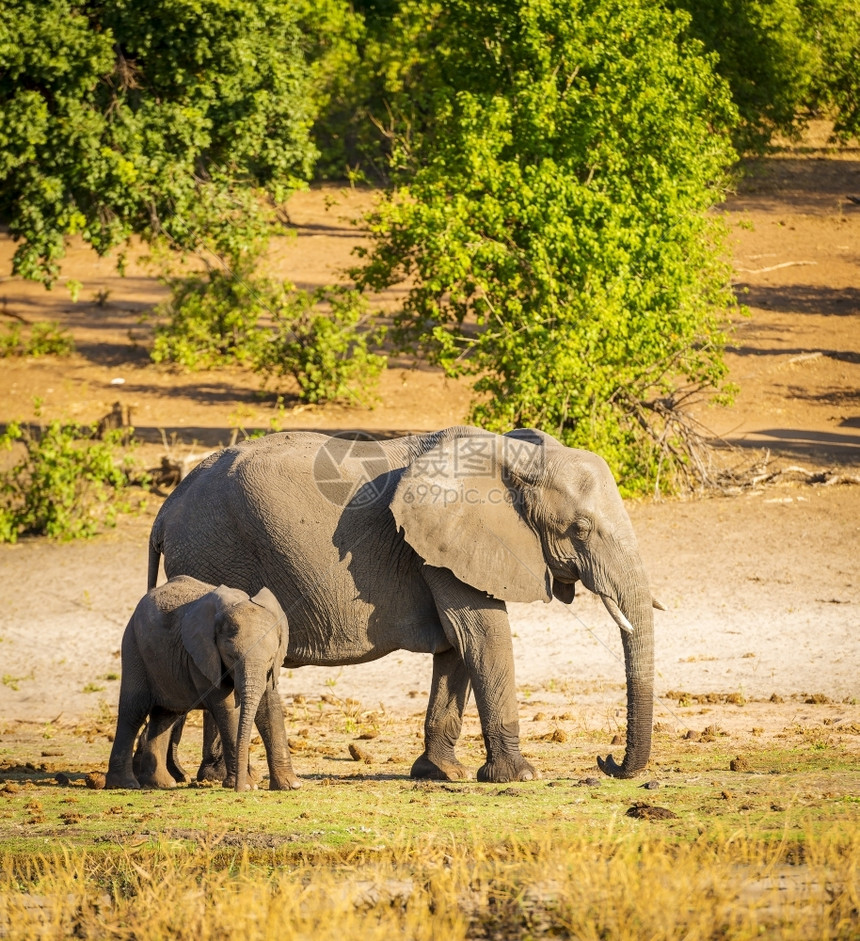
(189, 645)
(419, 550)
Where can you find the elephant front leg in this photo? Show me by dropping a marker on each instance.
(270, 722)
(226, 715)
(448, 696)
(477, 626)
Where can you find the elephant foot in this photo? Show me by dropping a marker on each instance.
(505, 769)
(229, 780)
(161, 779)
(120, 782)
(284, 782)
(441, 769)
(212, 770)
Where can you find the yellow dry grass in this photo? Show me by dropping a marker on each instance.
(728, 886)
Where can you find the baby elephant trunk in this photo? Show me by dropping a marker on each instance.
(250, 680)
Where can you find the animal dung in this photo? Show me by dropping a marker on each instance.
(640, 811)
(359, 754)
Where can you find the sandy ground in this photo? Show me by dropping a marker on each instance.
(761, 589)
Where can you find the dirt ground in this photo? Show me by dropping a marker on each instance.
(761, 588)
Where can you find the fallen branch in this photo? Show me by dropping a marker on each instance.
(782, 264)
(688, 451)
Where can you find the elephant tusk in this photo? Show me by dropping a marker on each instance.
(617, 614)
(656, 604)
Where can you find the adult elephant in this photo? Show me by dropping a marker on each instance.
(416, 543)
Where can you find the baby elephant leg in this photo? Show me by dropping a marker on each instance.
(154, 748)
(179, 774)
(270, 722)
(212, 767)
(121, 766)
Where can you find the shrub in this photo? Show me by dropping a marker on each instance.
(46, 339)
(124, 118)
(321, 339)
(68, 485)
(766, 58)
(328, 354)
(833, 30)
(211, 319)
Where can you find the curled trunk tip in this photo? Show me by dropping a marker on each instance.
(611, 767)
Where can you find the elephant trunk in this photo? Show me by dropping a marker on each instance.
(636, 609)
(250, 681)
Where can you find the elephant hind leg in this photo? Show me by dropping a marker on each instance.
(213, 767)
(177, 772)
(132, 715)
(153, 750)
(449, 694)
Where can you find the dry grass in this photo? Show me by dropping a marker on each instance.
(626, 887)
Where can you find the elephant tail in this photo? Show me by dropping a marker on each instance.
(154, 560)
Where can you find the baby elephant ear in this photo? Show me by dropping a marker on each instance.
(197, 629)
(461, 506)
(267, 600)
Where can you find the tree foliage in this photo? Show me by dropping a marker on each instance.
(171, 118)
(783, 60)
(833, 30)
(552, 222)
(764, 55)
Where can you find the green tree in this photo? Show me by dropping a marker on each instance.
(177, 119)
(552, 220)
(833, 30)
(765, 55)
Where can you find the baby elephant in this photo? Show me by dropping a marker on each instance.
(188, 646)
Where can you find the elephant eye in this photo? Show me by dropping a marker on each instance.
(582, 528)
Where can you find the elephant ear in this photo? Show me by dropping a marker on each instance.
(197, 629)
(267, 600)
(460, 506)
